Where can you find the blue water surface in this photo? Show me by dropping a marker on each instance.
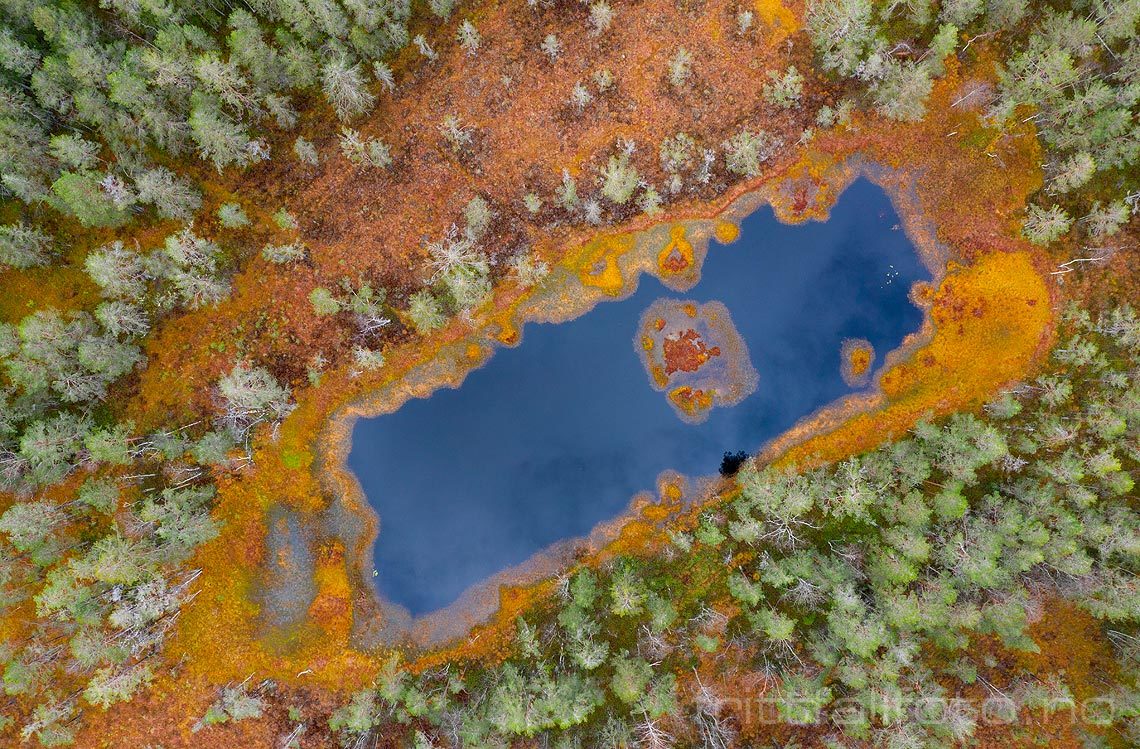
(556, 435)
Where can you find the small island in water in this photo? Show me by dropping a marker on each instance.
(695, 355)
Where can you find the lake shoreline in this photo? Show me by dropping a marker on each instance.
(379, 622)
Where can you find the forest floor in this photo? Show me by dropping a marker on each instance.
(990, 316)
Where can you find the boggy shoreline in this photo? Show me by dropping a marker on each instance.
(607, 269)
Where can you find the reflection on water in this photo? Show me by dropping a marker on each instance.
(556, 435)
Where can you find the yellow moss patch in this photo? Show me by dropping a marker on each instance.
(635, 535)
(596, 263)
(726, 232)
(656, 513)
(671, 493)
(779, 17)
(296, 459)
(332, 607)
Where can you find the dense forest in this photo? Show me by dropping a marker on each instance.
(860, 591)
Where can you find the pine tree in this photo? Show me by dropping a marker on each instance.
(81, 195)
(171, 196)
(1044, 226)
(619, 179)
(251, 395)
(680, 67)
(746, 151)
(344, 88)
(75, 152)
(468, 37)
(425, 312)
(323, 302)
(1073, 172)
(842, 31)
(785, 90)
(306, 152)
(221, 139)
(29, 525)
(23, 246)
(111, 684)
(601, 17)
(902, 92)
(232, 216)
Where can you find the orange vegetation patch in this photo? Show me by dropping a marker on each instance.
(859, 360)
(1072, 650)
(23, 292)
(165, 715)
(779, 16)
(856, 357)
(922, 294)
(726, 232)
(677, 255)
(333, 603)
(1072, 642)
(990, 320)
(224, 618)
(596, 262)
(686, 352)
(691, 400)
